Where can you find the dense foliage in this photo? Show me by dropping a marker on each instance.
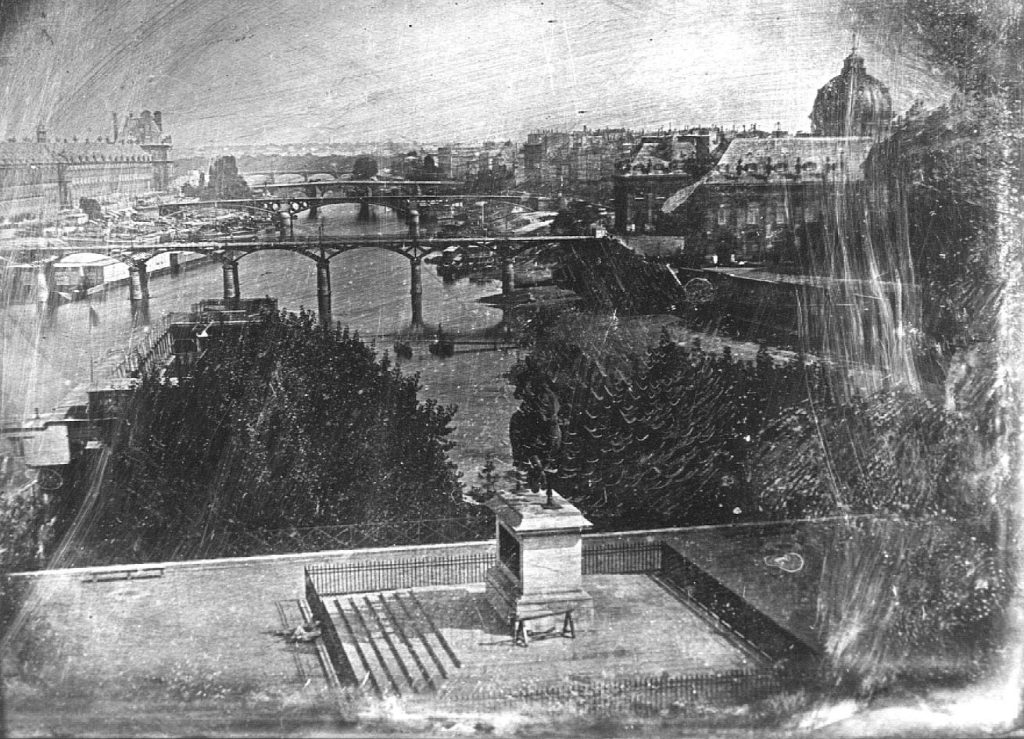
(893, 453)
(941, 168)
(685, 437)
(290, 425)
(364, 167)
(663, 442)
(224, 182)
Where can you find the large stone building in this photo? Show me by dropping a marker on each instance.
(39, 178)
(574, 163)
(659, 165)
(768, 196)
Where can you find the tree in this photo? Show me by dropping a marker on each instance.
(92, 208)
(364, 167)
(661, 441)
(924, 569)
(224, 182)
(291, 425)
(430, 170)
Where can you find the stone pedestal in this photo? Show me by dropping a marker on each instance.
(540, 560)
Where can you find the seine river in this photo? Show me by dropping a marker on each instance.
(45, 355)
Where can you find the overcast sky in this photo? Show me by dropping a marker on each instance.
(316, 70)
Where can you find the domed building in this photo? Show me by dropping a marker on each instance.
(852, 104)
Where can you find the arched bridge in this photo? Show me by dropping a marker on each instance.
(298, 198)
(322, 251)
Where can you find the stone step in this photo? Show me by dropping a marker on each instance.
(426, 676)
(401, 662)
(358, 654)
(444, 656)
(382, 664)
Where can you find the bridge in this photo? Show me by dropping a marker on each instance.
(322, 251)
(290, 202)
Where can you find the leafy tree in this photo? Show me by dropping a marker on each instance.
(225, 182)
(364, 167)
(92, 208)
(430, 170)
(659, 442)
(291, 425)
(924, 570)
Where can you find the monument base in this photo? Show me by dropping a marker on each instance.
(507, 600)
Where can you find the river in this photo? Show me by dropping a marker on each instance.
(45, 355)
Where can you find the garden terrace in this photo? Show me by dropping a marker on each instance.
(193, 650)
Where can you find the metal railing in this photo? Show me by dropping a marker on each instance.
(474, 527)
(620, 558)
(231, 542)
(374, 576)
(644, 695)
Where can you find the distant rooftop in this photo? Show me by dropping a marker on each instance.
(778, 159)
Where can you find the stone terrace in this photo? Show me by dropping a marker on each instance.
(192, 651)
(450, 638)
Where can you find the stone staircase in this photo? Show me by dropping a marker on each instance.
(391, 643)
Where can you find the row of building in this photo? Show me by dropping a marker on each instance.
(41, 177)
(759, 195)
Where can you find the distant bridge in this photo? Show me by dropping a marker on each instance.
(294, 203)
(321, 251)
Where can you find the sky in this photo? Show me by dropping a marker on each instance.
(435, 71)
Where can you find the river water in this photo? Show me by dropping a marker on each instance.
(46, 354)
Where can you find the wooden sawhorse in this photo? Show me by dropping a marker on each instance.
(519, 633)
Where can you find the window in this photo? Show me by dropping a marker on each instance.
(723, 215)
(753, 214)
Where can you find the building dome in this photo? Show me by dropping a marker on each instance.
(852, 104)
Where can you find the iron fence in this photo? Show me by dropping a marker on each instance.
(235, 542)
(620, 558)
(640, 694)
(373, 576)
(473, 527)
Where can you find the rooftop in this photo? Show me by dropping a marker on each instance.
(778, 159)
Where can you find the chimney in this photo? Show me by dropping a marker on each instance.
(114, 114)
(40, 134)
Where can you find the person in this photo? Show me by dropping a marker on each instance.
(304, 632)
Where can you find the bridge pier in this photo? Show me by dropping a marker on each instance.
(508, 276)
(231, 288)
(364, 211)
(314, 211)
(323, 290)
(416, 291)
(508, 284)
(138, 282)
(414, 222)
